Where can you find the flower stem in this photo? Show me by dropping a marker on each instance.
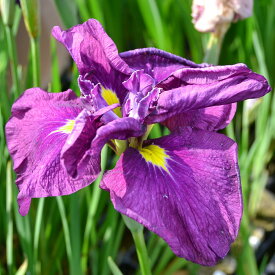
(214, 45)
(137, 233)
(142, 252)
(213, 50)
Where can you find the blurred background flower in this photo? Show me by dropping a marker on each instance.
(209, 15)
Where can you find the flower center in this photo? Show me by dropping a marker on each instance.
(119, 146)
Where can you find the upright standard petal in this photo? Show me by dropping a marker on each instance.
(141, 96)
(95, 98)
(95, 54)
(39, 126)
(157, 63)
(192, 89)
(185, 188)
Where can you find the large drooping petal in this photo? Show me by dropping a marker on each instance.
(157, 63)
(39, 126)
(185, 188)
(192, 89)
(95, 54)
(211, 118)
(77, 158)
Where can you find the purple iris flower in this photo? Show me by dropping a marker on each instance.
(185, 187)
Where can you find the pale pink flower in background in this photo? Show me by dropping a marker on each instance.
(209, 15)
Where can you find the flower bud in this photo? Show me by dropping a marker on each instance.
(209, 15)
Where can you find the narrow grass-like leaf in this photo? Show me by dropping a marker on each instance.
(155, 248)
(96, 10)
(75, 224)
(56, 83)
(13, 59)
(154, 23)
(166, 256)
(16, 21)
(118, 237)
(9, 240)
(175, 265)
(37, 228)
(83, 9)
(65, 225)
(262, 117)
(22, 269)
(246, 261)
(35, 58)
(67, 11)
(108, 238)
(93, 207)
(114, 268)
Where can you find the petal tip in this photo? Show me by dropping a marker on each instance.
(24, 205)
(56, 32)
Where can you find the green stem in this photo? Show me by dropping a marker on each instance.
(13, 58)
(213, 50)
(214, 46)
(35, 61)
(137, 233)
(141, 252)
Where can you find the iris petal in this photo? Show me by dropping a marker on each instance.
(35, 136)
(192, 89)
(141, 96)
(196, 205)
(211, 118)
(78, 142)
(157, 63)
(95, 54)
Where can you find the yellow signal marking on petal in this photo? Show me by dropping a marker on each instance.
(67, 128)
(156, 155)
(111, 98)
